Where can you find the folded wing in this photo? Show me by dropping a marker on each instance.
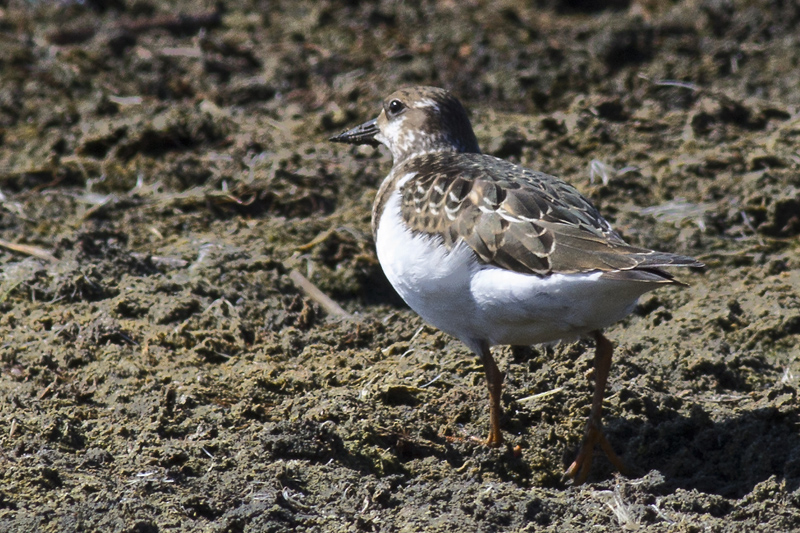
(522, 220)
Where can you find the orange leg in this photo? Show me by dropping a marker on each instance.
(494, 379)
(579, 469)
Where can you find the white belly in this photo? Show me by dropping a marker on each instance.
(471, 301)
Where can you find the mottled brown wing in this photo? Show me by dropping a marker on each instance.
(517, 219)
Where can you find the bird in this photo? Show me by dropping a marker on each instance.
(495, 254)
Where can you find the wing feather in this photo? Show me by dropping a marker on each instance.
(521, 220)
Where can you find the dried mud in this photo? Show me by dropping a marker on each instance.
(164, 168)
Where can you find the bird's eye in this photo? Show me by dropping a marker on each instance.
(395, 107)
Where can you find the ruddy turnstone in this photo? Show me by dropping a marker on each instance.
(493, 253)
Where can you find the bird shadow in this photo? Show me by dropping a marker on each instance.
(724, 444)
(727, 457)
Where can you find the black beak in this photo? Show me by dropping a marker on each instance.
(363, 134)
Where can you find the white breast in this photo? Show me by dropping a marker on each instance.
(453, 291)
(433, 281)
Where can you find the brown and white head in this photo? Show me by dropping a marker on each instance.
(416, 121)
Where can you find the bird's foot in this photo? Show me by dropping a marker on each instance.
(494, 440)
(579, 470)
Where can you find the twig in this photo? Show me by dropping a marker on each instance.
(48, 389)
(322, 237)
(541, 395)
(29, 250)
(311, 290)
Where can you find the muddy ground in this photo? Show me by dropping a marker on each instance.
(164, 168)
